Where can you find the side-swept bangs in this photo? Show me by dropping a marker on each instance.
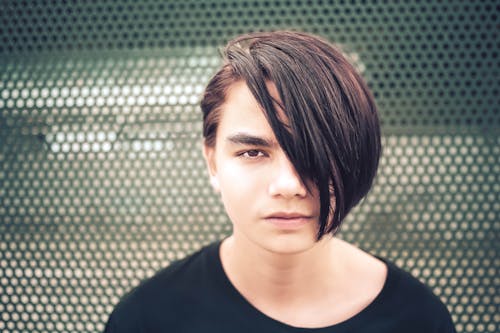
(331, 133)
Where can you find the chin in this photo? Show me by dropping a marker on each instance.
(289, 244)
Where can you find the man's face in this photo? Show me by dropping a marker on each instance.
(264, 196)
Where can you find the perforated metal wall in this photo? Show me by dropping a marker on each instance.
(101, 176)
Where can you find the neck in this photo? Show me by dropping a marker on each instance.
(278, 278)
(321, 286)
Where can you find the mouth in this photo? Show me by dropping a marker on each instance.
(288, 220)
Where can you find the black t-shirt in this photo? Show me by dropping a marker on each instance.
(194, 295)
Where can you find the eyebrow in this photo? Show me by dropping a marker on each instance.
(250, 140)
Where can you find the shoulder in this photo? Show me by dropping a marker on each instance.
(401, 283)
(169, 289)
(177, 277)
(398, 300)
(413, 302)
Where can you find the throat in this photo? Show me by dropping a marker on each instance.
(318, 288)
(270, 280)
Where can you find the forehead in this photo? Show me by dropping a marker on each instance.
(241, 111)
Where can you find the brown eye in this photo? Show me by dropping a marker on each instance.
(254, 153)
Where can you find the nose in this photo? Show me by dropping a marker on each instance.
(285, 180)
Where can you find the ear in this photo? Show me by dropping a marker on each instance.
(209, 155)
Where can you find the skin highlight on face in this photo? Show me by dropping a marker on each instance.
(269, 205)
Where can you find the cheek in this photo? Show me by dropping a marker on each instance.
(234, 180)
(240, 189)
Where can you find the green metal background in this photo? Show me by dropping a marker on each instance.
(101, 177)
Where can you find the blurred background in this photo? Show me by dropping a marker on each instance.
(102, 181)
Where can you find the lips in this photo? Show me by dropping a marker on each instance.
(283, 215)
(288, 219)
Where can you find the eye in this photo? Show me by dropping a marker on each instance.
(253, 153)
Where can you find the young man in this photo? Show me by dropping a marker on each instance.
(292, 143)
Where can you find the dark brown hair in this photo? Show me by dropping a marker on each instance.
(332, 135)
